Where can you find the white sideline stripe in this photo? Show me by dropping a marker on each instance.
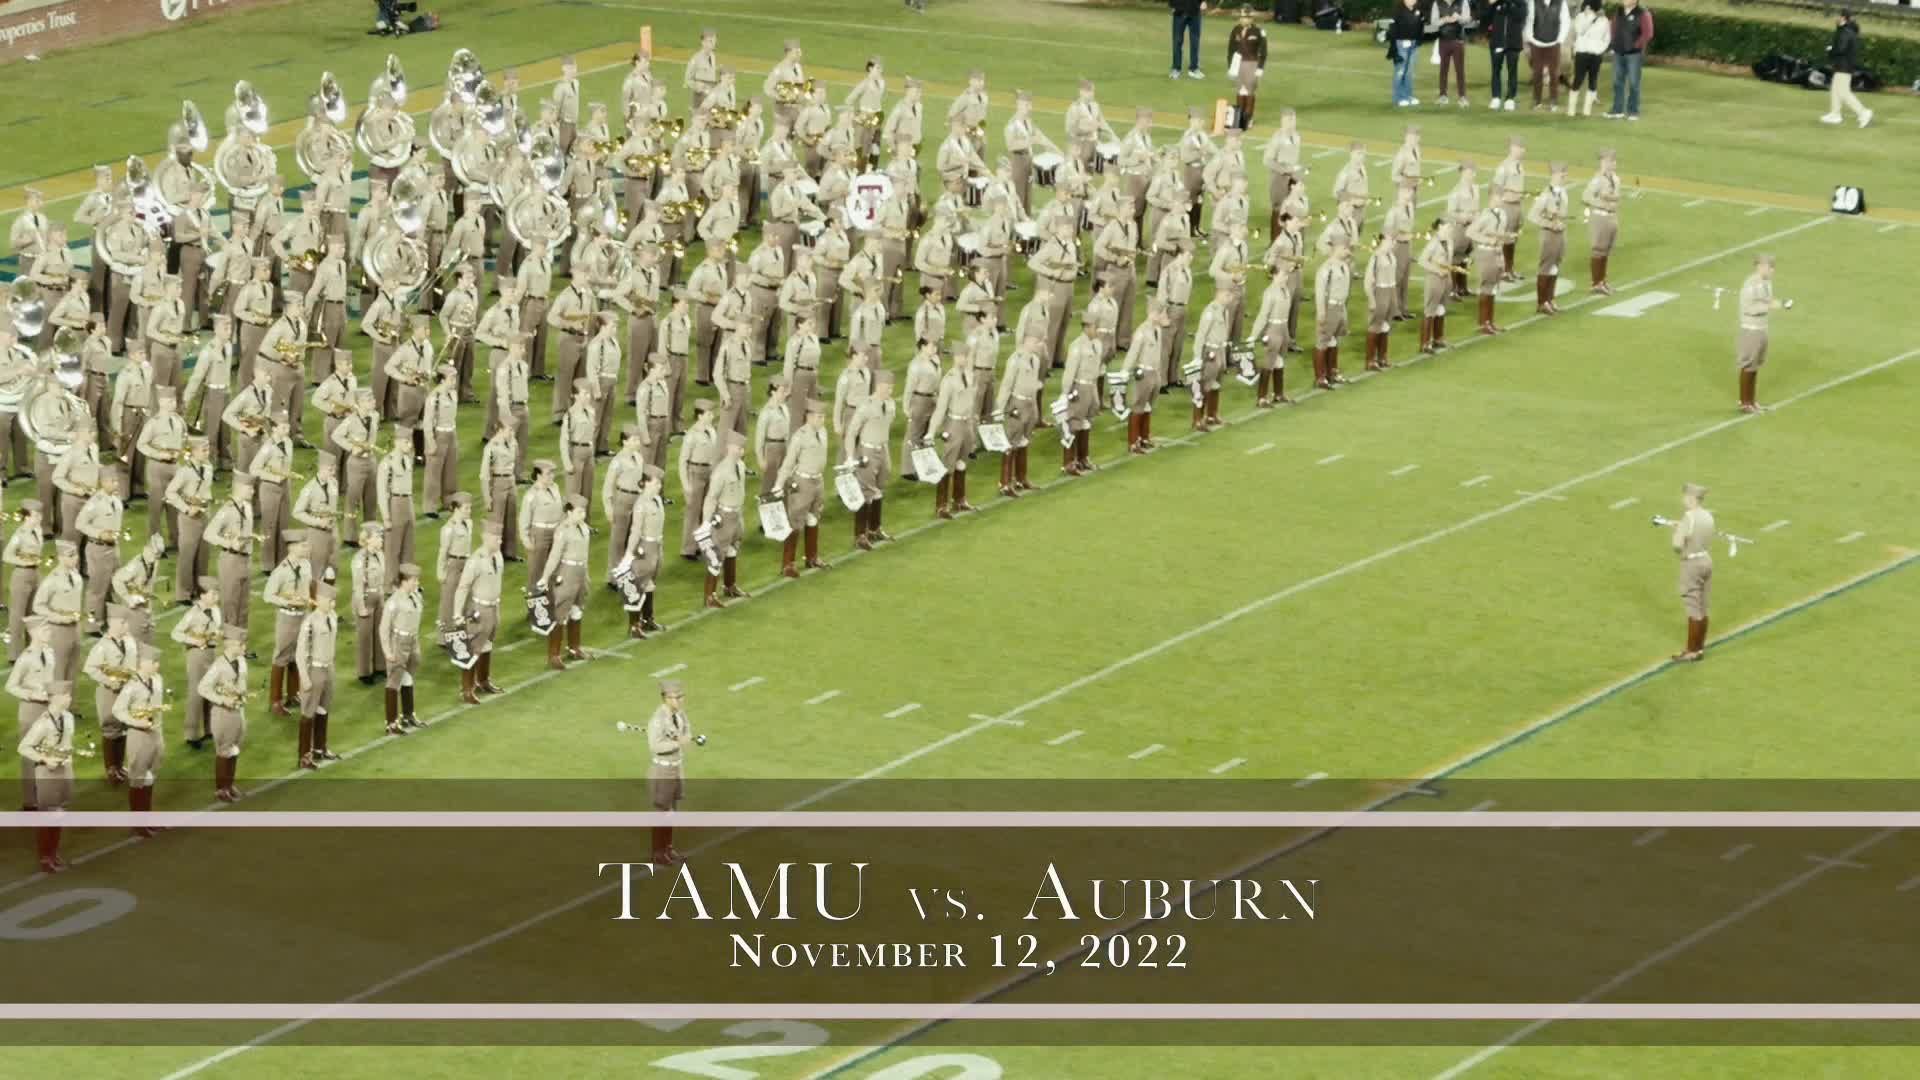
(666, 671)
(1624, 503)
(1781, 524)
(1654, 959)
(1329, 459)
(1261, 449)
(745, 683)
(1146, 751)
(1887, 228)
(1757, 211)
(1483, 478)
(1834, 862)
(1228, 765)
(1328, 152)
(1648, 837)
(1059, 740)
(902, 710)
(1908, 885)
(819, 698)
(1403, 470)
(1012, 717)
(1481, 807)
(1735, 852)
(678, 1014)
(1310, 778)
(1555, 498)
(1694, 203)
(1850, 537)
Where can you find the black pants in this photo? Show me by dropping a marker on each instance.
(1587, 66)
(1509, 59)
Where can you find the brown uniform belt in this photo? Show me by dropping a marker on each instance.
(100, 542)
(921, 393)
(571, 562)
(536, 525)
(625, 491)
(164, 458)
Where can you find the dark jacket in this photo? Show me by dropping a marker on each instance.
(1506, 23)
(1408, 24)
(1184, 7)
(1844, 53)
(1250, 44)
(1440, 9)
(1632, 33)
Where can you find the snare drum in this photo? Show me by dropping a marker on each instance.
(976, 190)
(1026, 237)
(1104, 155)
(967, 247)
(1046, 167)
(810, 232)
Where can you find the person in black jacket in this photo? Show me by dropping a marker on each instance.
(1403, 47)
(1186, 24)
(1844, 55)
(1506, 25)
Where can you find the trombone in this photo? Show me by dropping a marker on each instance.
(790, 93)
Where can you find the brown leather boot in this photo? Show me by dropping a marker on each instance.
(1066, 460)
(1200, 417)
(1020, 471)
(1597, 267)
(1083, 450)
(1006, 474)
(1334, 377)
(305, 760)
(555, 641)
(1426, 335)
(945, 484)
(1553, 293)
(1439, 332)
(1380, 353)
(320, 751)
(729, 586)
(393, 696)
(574, 652)
(960, 503)
(788, 548)
(879, 533)
(467, 693)
(293, 688)
(276, 682)
(1213, 410)
(1506, 263)
(813, 549)
(712, 601)
(485, 683)
(1320, 369)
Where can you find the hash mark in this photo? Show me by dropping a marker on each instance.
(1735, 852)
(1624, 503)
(1850, 537)
(665, 671)
(901, 711)
(744, 683)
(1227, 765)
(1476, 481)
(1781, 524)
(819, 698)
(1403, 470)
(1309, 779)
(1145, 751)
(1648, 837)
(1059, 740)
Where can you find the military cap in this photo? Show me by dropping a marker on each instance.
(544, 465)
(632, 431)
(816, 408)
(408, 569)
(207, 583)
(294, 536)
(777, 380)
(460, 500)
(791, 44)
(30, 506)
(199, 442)
(66, 547)
(165, 393)
(117, 612)
(60, 689)
(447, 371)
(653, 472)
(235, 635)
(704, 405)
(736, 441)
(1694, 491)
(494, 529)
(672, 688)
(883, 377)
(325, 460)
(149, 654)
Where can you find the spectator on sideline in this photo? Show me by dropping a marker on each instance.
(1632, 33)
(1591, 36)
(1403, 47)
(1548, 24)
(1186, 24)
(1450, 19)
(1844, 55)
(1506, 24)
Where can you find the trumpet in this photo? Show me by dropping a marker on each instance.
(53, 757)
(307, 260)
(672, 129)
(698, 157)
(724, 119)
(872, 119)
(116, 674)
(790, 93)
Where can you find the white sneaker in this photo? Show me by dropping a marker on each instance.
(1494, 104)
(1400, 104)
(1830, 118)
(1443, 100)
(1509, 105)
(1195, 74)
(1174, 74)
(1866, 118)
(1463, 101)
(1413, 101)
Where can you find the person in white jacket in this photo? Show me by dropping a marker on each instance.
(1592, 36)
(1549, 23)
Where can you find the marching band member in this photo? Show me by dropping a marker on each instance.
(224, 687)
(199, 632)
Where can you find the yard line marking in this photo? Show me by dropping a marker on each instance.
(1146, 751)
(1487, 805)
(1329, 459)
(1543, 495)
(1310, 778)
(1694, 203)
(819, 698)
(1403, 470)
(666, 671)
(1735, 852)
(1328, 152)
(1654, 959)
(1228, 765)
(745, 683)
(1637, 306)
(1757, 211)
(1887, 228)
(1781, 524)
(901, 711)
(1908, 885)
(1624, 503)
(1261, 449)
(1850, 537)
(1648, 837)
(1483, 478)
(1833, 862)
(1059, 740)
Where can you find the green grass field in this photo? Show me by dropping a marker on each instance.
(1443, 572)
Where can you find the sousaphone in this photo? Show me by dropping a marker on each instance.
(26, 309)
(252, 107)
(321, 148)
(386, 133)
